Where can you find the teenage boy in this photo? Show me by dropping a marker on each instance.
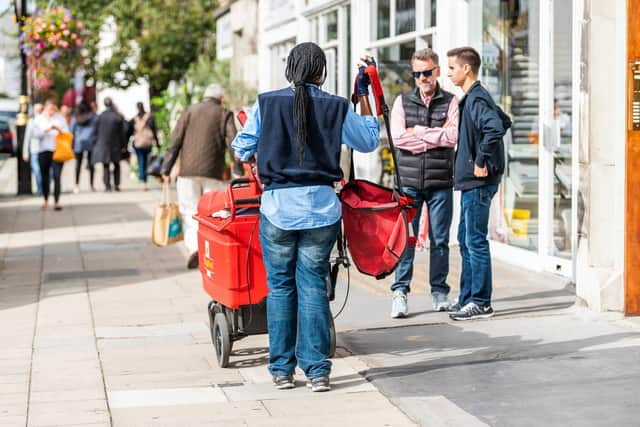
(479, 166)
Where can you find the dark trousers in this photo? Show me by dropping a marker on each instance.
(106, 175)
(45, 160)
(440, 211)
(79, 157)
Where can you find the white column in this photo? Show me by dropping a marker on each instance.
(601, 155)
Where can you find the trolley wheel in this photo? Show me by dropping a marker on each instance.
(332, 338)
(221, 339)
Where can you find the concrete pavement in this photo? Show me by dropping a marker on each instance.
(102, 328)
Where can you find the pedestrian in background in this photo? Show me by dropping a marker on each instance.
(67, 113)
(297, 133)
(201, 137)
(83, 139)
(31, 147)
(47, 126)
(110, 140)
(424, 126)
(479, 166)
(145, 135)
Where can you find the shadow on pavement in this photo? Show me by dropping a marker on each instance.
(32, 218)
(70, 267)
(522, 372)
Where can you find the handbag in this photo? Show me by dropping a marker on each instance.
(64, 147)
(166, 227)
(155, 165)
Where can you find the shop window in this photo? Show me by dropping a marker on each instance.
(400, 27)
(383, 18)
(561, 132)
(405, 16)
(331, 31)
(332, 25)
(279, 54)
(509, 72)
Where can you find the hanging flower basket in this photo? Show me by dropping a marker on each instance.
(51, 37)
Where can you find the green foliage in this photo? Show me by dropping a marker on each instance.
(167, 109)
(208, 70)
(156, 40)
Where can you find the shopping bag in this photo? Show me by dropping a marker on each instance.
(155, 165)
(64, 147)
(167, 222)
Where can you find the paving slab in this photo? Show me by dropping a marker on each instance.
(109, 330)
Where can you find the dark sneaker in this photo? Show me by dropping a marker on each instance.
(319, 383)
(283, 382)
(472, 311)
(454, 307)
(193, 261)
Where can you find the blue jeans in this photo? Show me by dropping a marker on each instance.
(35, 170)
(440, 210)
(143, 161)
(475, 277)
(297, 265)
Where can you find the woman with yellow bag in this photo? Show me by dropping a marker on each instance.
(49, 127)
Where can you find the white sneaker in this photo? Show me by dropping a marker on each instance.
(440, 301)
(76, 190)
(399, 307)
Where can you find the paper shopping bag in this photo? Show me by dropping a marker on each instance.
(167, 222)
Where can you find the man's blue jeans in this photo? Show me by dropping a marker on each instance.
(475, 277)
(297, 265)
(440, 209)
(35, 170)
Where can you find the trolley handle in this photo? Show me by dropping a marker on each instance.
(237, 181)
(253, 201)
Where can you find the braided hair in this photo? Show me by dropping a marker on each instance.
(306, 64)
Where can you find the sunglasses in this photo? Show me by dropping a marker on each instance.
(426, 73)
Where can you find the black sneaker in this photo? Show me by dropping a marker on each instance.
(283, 382)
(319, 383)
(454, 307)
(472, 311)
(193, 261)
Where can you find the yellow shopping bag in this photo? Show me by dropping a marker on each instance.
(64, 147)
(167, 222)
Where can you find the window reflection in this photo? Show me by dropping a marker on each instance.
(510, 74)
(405, 16)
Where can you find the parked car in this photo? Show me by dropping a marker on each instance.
(6, 136)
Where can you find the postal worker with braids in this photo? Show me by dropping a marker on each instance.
(297, 133)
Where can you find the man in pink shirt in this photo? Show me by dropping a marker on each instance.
(424, 126)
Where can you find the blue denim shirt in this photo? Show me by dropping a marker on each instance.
(314, 206)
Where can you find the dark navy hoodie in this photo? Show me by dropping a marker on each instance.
(481, 128)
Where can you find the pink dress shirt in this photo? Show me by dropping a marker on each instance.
(424, 138)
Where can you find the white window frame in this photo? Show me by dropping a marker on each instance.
(319, 15)
(418, 35)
